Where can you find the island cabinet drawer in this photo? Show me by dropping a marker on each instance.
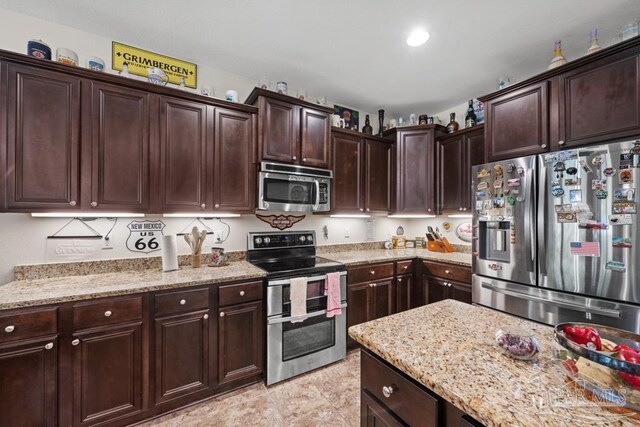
(416, 407)
(404, 267)
(28, 324)
(181, 301)
(240, 293)
(107, 311)
(447, 271)
(370, 272)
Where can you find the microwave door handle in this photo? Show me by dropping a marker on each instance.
(300, 318)
(316, 206)
(309, 279)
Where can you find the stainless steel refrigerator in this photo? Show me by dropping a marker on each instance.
(556, 236)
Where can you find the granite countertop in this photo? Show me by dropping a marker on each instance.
(359, 257)
(27, 293)
(450, 348)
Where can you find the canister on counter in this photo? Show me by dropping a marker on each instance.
(410, 244)
(399, 242)
(38, 49)
(420, 243)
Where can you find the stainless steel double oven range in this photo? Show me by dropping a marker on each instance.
(295, 348)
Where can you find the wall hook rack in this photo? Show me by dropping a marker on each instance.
(94, 234)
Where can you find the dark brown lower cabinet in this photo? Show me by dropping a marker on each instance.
(374, 414)
(240, 353)
(28, 383)
(107, 373)
(181, 355)
(409, 293)
(369, 301)
(437, 289)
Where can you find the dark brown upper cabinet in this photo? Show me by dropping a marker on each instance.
(292, 130)
(361, 173)
(457, 153)
(414, 168)
(118, 144)
(42, 145)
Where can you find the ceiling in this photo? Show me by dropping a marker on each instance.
(354, 52)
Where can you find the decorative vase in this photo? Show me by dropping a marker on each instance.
(558, 58)
(380, 121)
(367, 126)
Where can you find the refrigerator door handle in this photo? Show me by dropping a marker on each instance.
(528, 221)
(542, 206)
(593, 310)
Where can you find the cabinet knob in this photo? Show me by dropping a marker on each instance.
(387, 390)
(94, 204)
(222, 314)
(217, 205)
(108, 313)
(460, 209)
(449, 284)
(48, 346)
(294, 158)
(183, 301)
(464, 209)
(241, 293)
(447, 271)
(373, 285)
(304, 159)
(544, 145)
(405, 267)
(561, 142)
(205, 317)
(429, 210)
(361, 210)
(9, 329)
(399, 279)
(75, 342)
(72, 203)
(203, 206)
(368, 210)
(372, 272)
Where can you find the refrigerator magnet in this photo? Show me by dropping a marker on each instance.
(566, 217)
(482, 185)
(558, 208)
(511, 167)
(636, 148)
(597, 160)
(520, 198)
(511, 200)
(585, 166)
(621, 242)
(559, 167)
(592, 225)
(508, 211)
(624, 195)
(483, 173)
(486, 205)
(514, 182)
(498, 183)
(557, 191)
(478, 205)
(601, 194)
(626, 160)
(616, 266)
(572, 170)
(551, 158)
(498, 202)
(575, 196)
(625, 176)
(571, 182)
(598, 184)
(498, 171)
(591, 249)
(618, 219)
(567, 155)
(609, 171)
(555, 182)
(624, 208)
(520, 170)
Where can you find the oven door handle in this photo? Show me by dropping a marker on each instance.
(299, 318)
(316, 205)
(309, 279)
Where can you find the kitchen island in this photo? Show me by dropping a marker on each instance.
(447, 350)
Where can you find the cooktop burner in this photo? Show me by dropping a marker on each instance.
(298, 266)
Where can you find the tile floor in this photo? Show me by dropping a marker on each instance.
(325, 397)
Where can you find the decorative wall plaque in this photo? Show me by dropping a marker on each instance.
(281, 222)
(145, 236)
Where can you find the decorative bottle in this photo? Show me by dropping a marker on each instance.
(558, 58)
(380, 121)
(470, 119)
(594, 47)
(367, 126)
(453, 125)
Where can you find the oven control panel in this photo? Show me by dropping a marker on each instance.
(281, 240)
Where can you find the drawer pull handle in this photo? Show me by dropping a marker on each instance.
(9, 329)
(49, 346)
(205, 317)
(405, 267)
(222, 314)
(373, 285)
(108, 313)
(241, 293)
(183, 301)
(387, 390)
(447, 271)
(75, 342)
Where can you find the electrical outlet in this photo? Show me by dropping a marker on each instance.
(347, 232)
(217, 236)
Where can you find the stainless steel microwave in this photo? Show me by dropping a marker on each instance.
(291, 188)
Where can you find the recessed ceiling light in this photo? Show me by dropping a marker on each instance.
(417, 38)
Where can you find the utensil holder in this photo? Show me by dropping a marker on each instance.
(196, 260)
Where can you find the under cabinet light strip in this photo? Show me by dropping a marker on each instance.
(350, 216)
(460, 216)
(201, 215)
(408, 216)
(86, 215)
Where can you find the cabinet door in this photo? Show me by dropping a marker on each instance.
(183, 156)
(43, 139)
(374, 414)
(315, 138)
(382, 299)
(450, 174)
(240, 353)
(408, 293)
(415, 172)
(119, 145)
(516, 123)
(378, 177)
(234, 179)
(473, 147)
(358, 306)
(107, 377)
(434, 289)
(347, 190)
(280, 131)
(600, 101)
(460, 291)
(181, 355)
(28, 389)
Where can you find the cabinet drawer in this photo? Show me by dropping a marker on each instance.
(107, 312)
(447, 271)
(370, 272)
(181, 301)
(28, 324)
(242, 292)
(413, 405)
(404, 267)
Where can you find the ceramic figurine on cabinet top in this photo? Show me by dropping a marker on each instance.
(558, 58)
(594, 46)
(367, 126)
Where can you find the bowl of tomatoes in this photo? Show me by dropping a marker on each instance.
(603, 360)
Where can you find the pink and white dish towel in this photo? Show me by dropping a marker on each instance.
(298, 297)
(332, 291)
